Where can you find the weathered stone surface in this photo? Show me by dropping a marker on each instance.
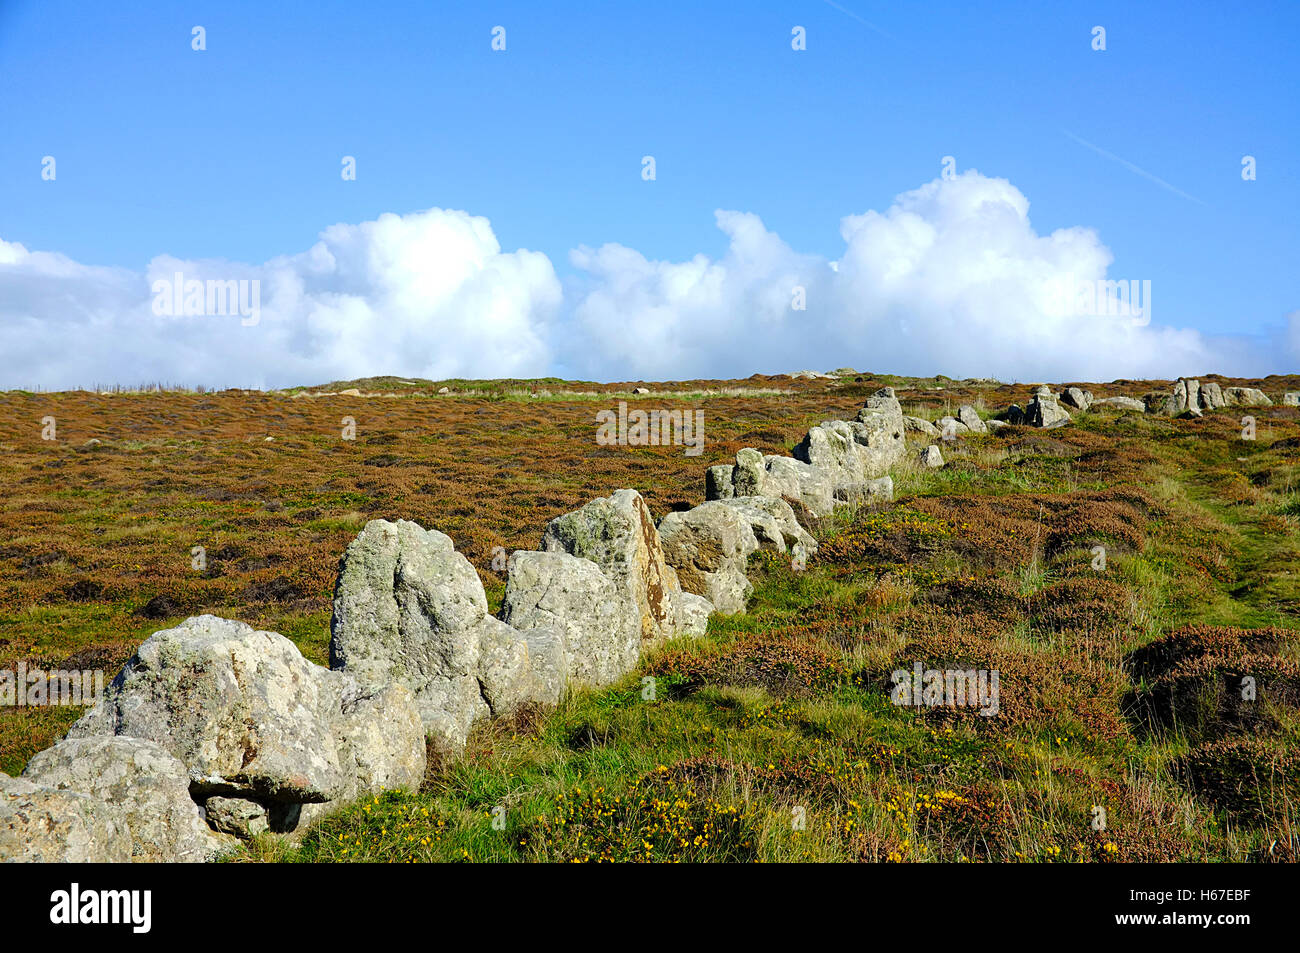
(920, 425)
(1187, 395)
(237, 816)
(994, 425)
(749, 476)
(1246, 397)
(799, 480)
(969, 416)
(709, 547)
(40, 824)
(1211, 396)
(879, 490)
(618, 534)
(380, 739)
(548, 659)
(406, 609)
(774, 523)
(1045, 412)
(1291, 399)
(695, 611)
(1077, 397)
(242, 709)
(145, 788)
(505, 669)
(931, 457)
(601, 632)
(717, 482)
(950, 427)
(1121, 403)
(448, 708)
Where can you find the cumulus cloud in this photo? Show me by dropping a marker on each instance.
(952, 278)
(428, 294)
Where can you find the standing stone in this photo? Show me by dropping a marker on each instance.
(1077, 397)
(1246, 397)
(709, 547)
(1211, 396)
(969, 416)
(573, 599)
(618, 534)
(931, 457)
(1045, 412)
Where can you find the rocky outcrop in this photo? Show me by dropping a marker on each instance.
(1245, 397)
(242, 710)
(970, 417)
(410, 610)
(774, 524)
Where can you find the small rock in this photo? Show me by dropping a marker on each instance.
(931, 457)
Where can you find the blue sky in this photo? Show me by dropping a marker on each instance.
(234, 153)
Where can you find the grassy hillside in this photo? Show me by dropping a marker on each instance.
(772, 738)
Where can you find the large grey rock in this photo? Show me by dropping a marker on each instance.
(548, 658)
(969, 416)
(570, 596)
(242, 710)
(1211, 396)
(40, 824)
(1077, 397)
(1045, 412)
(930, 457)
(879, 490)
(409, 610)
(920, 425)
(1187, 395)
(1246, 397)
(718, 483)
(618, 534)
(799, 480)
(951, 428)
(709, 547)
(1291, 399)
(146, 789)
(406, 609)
(1121, 403)
(380, 739)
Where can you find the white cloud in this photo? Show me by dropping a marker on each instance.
(951, 279)
(428, 294)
